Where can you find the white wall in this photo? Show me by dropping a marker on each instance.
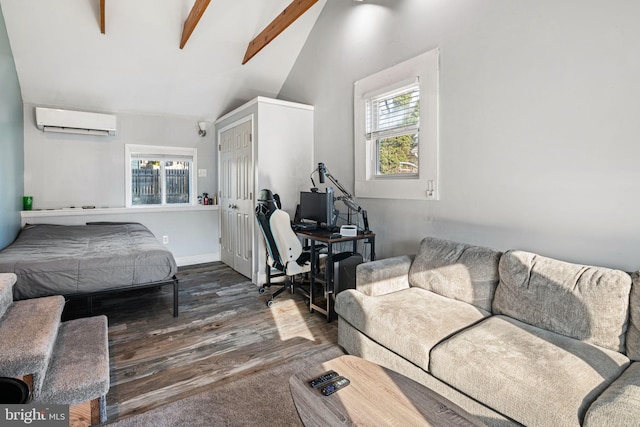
(11, 154)
(65, 170)
(539, 128)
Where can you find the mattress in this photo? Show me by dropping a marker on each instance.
(78, 259)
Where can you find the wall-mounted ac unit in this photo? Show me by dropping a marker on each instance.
(67, 121)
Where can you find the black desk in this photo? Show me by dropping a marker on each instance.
(322, 237)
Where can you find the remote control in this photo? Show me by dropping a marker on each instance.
(334, 386)
(317, 382)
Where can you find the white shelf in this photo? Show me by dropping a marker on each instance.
(41, 213)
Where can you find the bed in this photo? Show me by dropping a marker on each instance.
(87, 260)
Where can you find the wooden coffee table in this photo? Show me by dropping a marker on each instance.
(376, 396)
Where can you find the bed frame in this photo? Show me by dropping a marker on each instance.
(89, 260)
(90, 295)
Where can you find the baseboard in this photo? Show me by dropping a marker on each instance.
(197, 259)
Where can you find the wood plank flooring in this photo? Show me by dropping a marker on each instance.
(224, 331)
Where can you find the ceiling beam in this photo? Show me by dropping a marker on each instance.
(278, 25)
(102, 17)
(192, 20)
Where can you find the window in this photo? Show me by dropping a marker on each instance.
(393, 122)
(159, 176)
(396, 131)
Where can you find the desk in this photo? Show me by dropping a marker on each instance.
(322, 236)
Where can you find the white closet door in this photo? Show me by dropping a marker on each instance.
(236, 198)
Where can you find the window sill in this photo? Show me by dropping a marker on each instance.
(40, 213)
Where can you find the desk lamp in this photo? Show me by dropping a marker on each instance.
(346, 197)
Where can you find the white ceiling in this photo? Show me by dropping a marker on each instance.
(63, 60)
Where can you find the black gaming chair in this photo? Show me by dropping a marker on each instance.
(284, 250)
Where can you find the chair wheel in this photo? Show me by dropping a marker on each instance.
(261, 290)
(269, 303)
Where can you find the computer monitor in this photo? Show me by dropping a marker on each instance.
(313, 206)
(318, 207)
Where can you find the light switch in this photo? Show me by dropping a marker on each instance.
(202, 173)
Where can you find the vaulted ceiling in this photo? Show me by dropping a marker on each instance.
(137, 65)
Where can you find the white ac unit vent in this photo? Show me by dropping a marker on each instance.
(79, 122)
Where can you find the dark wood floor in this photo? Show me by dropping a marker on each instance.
(224, 331)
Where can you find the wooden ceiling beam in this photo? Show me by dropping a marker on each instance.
(192, 20)
(102, 17)
(278, 25)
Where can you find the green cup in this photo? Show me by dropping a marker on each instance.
(27, 203)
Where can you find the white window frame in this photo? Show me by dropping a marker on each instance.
(135, 150)
(374, 133)
(424, 70)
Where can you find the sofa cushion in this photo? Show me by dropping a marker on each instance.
(7, 280)
(587, 303)
(617, 405)
(531, 375)
(633, 334)
(456, 270)
(409, 322)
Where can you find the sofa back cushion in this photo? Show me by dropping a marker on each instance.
(633, 334)
(456, 270)
(587, 303)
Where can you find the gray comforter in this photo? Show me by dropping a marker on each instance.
(68, 260)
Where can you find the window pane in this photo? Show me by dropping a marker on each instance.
(145, 182)
(398, 155)
(398, 110)
(393, 127)
(177, 181)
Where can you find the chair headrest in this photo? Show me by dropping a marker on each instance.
(268, 200)
(266, 196)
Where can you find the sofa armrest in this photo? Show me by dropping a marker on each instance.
(619, 404)
(384, 276)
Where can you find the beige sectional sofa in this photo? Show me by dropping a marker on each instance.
(514, 338)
